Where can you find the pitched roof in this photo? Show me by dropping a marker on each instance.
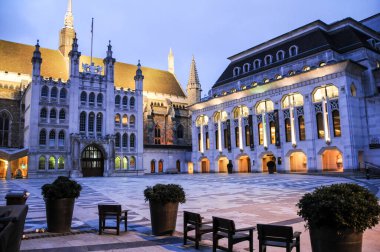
(15, 57)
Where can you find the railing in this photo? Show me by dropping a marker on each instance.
(370, 169)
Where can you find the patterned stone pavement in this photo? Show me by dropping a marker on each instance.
(246, 198)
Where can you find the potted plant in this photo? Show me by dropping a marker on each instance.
(337, 216)
(59, 201)
(163, 203)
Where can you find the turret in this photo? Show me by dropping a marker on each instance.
(109, 63)
(171, 62)
(193, 85)
(74, 58)
(139, 78)
(67, 33)
(37, 60)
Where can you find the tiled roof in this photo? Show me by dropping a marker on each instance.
(15, 57)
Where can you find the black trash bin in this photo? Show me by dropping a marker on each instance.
(16, 197)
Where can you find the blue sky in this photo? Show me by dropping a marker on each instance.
(212, 30)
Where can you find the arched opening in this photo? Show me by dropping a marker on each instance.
(244, 164)
(153, 166)
(266, 159)
(178, 166)
(298, 162)
(160, 166)
(332, 160)
(92, 162)
(222, 164)
(205, 165)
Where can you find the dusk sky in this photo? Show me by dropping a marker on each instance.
(211, 30)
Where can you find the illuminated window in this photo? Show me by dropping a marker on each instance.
(240, 111)
(132, 121)
(301, 128)
(199, 141)
(254, 84)
(321, 64)
(306, 68)
(117, 140)
(336, 123)
(51, 163)
(61, 163)
(117, 162)
(244, 87)
(296, 100)
(265, 80)
(117, 119)
(272, 132)
(124, 120)
(353, 89)
(291, 72)
(233, 90)
(125, 163)
(261, 133)
(264, 106)
(320, 93)
(117, 100)
(207, 141)
(320, 129)
(41, 163)
(288, 133)
(224, 93)
(247, 136)
(132, 163)
(277, 76)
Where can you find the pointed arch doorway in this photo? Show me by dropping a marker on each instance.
(92, 162)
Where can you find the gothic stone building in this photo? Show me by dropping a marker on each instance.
(307, 100)
(65, 113)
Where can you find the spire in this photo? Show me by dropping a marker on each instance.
(171, 62)
(109, 63)
(37, 60)
(69, 19)
(139, 71)
(139, 79)
(193, 78)
(109, 51)
(193, 85)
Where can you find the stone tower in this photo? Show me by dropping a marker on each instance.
(193, 85)
(171, 62)
(67, 33)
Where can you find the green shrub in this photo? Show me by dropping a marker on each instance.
(165, 193)
(61, 188)
(341, 207)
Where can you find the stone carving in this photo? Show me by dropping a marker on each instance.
(91, 68)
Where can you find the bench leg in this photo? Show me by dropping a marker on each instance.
(100, 226)
(214, 243)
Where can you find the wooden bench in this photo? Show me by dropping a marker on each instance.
(194, 221)
(112, 212)
(225, 228)
(277, 236)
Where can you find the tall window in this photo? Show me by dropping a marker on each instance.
(132, 102)
(4, 129)
(117, 140)
(91, 99)
(225, 138)
(91, 122)
(42, 137)
(261, 133)
(268, 60)
(237, 136)
(320, 129)
(62, 115)
(43, 114)
(54, 93)
(301, 128)
(44, 92)
(82, 122)
(61, 138)
(117, 119)
(293, 50)
(52, 138)
(132, 163)
(132, 121)
(117, 100)
(180, 131)
(99, 122)
(207, 141)
(288, 130)
(63, 94)
(336, 123)
(216, 139)
(272, 132)
(83, 98)
(61, 163)
(125, 102)
(124, 121)
(247, 136)
(99, 100)
(256, 64)
(53, 115)
(125, 163)
(132, 141)
(125, 140)
(157, 135)
(117, 162)
(51, 163)
(41, 163)
(280, 55)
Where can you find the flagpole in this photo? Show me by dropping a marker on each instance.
(92, 36)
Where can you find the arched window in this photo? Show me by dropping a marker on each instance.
(132, 121)
(117, 162)
(51, 163)
(261, 133)
(157, 135)
(125, 140)
(293, 51)
(236, 71)
(353, 90)
(99, 100)
(256, 64)
(63, 94)
(61, 138)
(62, 115)
(320, 93)
(336, 123)
(268, 60)
(277, 77)
(99, 123)
(44, 92)
(288, 130)
(153, 166)
(161, 166)
(54, 93)
(82, 122)
(291, 72)
(125, 163)
(322, 64)
(83, 98)
(117, 100)
(247, 136)
(53, 115)
(320, 129)
(42, 163)
(124, 120)
(117, 119)
(132, 103)
(180, 131)
(117, 140)
(91, 99)
(301, 128)
(264, 106)
(246, 67)
(272, 126)
(292, 100)
(280, 55)
(125, 102)
(265, 80)
(52, 138)
(43, 114)
(4, 129)
(132, 141)
(132, 163)
(305, 68)
(61, 163)
(91, 122)
(42, 137)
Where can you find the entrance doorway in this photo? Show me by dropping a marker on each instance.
(161, 166)
(222, 164)
(298, 162)
(92, 162)
(153, 166)
(267, 158)
(205, 165)
(244, 164)
(332, 160)
(178, 166)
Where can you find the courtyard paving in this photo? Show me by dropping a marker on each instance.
(246, 198)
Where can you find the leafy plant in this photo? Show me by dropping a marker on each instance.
(340, 206)
(165, 193)
(62, 187)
